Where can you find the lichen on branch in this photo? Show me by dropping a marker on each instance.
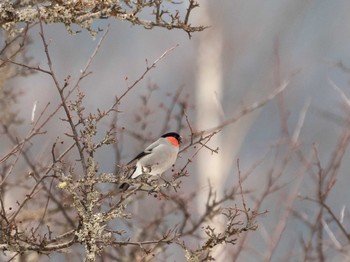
(147, 13)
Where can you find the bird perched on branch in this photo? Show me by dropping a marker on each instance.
(156, 158)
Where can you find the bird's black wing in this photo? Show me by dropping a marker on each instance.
(147, 151)
(142, 154)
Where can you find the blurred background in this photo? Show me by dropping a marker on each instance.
(249, 49)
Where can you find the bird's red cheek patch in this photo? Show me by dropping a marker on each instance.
(173, 140)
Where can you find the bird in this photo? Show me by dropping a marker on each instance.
(156, 158)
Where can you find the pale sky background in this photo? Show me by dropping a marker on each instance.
(313, 35)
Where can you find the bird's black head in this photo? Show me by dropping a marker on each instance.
(173, 134)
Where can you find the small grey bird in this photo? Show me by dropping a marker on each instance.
(156, 158)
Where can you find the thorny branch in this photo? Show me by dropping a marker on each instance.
(165, 14)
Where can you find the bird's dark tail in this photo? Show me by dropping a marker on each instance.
(127, 172)
(124, 186)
